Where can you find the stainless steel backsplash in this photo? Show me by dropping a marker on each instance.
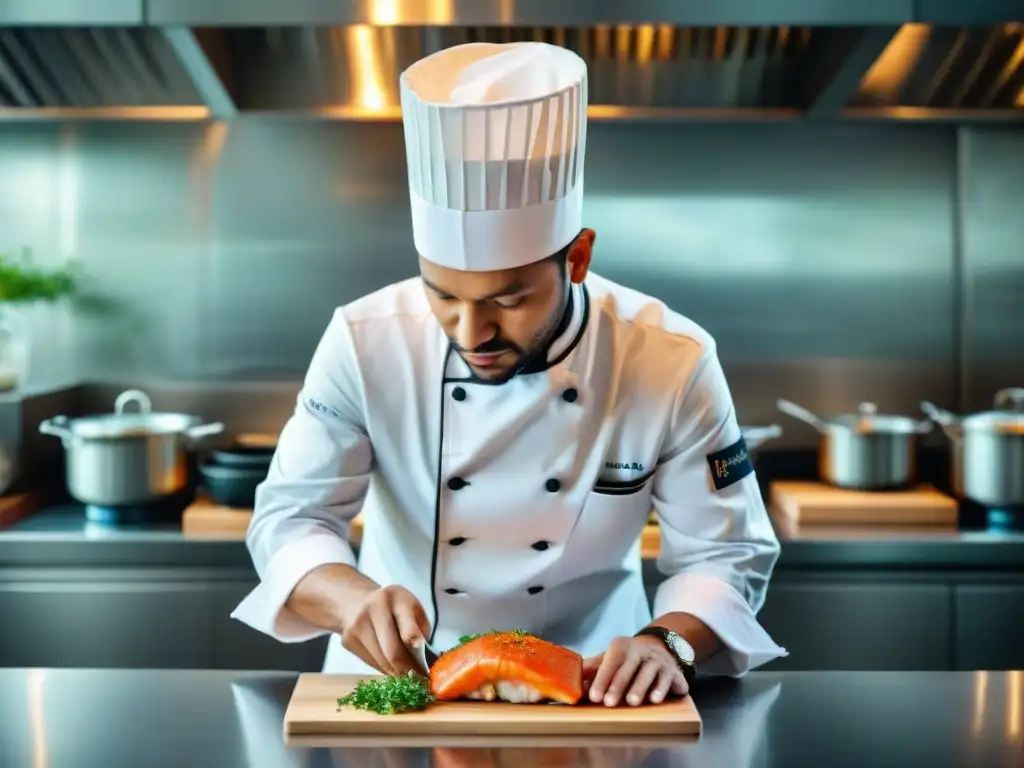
(833, 263)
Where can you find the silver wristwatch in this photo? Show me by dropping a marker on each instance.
(678, 647)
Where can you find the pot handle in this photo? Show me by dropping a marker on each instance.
(204, 430)
(56, 427)
(133, 396)
(1010, 399)
(797, 412)
(950, 424)
(755, 437)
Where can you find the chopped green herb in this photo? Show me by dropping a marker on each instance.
(469, 638)
(390, 695)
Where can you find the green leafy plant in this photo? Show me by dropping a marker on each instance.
(23, 281)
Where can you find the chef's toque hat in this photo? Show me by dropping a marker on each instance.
(494, 139)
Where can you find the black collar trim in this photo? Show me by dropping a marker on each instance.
(546, 362)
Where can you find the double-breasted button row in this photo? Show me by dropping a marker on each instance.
(570, 395)
(552, 485)
(540, 546)
(530, 590)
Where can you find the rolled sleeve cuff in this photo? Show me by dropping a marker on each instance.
(263, 608)
(717, 604)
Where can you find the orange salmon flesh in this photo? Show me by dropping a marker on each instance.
(509, 666)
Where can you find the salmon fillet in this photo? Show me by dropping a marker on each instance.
(508, 666)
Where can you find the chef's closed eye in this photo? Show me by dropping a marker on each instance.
(510, 302)
(504, 302)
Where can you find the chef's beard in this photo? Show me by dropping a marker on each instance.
(536, 348)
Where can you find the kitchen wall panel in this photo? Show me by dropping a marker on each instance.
(821, 257)
(992, 200)
(130, 204)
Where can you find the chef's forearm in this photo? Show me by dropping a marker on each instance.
(704, 641)
(324, 595)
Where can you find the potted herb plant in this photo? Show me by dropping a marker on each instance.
(23, 283)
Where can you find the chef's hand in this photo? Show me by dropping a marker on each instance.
(634, 669)
(380, 628)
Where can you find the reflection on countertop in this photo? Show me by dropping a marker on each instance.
(68, 718)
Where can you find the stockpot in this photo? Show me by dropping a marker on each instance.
(988, 450)
(128, 458)
(864, 450)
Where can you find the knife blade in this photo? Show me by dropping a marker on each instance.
(425, 654)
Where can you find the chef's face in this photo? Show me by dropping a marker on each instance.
(499, 320)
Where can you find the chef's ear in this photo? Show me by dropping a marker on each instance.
(578, 258)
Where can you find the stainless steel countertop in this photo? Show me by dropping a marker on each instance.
(70, 718)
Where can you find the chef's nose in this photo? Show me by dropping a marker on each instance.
(474, 328)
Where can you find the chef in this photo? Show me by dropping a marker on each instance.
(507, 422)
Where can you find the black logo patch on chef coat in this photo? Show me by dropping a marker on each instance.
(730, 465)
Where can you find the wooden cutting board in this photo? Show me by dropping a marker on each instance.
(206, 518)
(815, 503)
(18, 506)
(313, 711)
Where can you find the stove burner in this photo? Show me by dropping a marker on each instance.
(975, 517)
(129, 515)
(1005, 519)
(164, 510)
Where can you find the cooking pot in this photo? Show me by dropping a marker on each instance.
(128, 458)
(864, 450)
(988, 450)
(755, 437)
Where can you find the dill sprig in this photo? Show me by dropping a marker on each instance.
(390, 695)
(517, 632)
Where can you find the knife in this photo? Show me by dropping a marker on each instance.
(425, 654)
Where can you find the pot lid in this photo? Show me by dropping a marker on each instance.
(1006, 422)
(131, 425)
(1007, 418)
(144, 423)
(868, 421)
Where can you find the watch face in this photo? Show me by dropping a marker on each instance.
(682, 648)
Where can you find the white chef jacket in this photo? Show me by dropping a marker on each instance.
(519, 505)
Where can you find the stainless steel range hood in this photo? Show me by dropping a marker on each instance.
(579, 13)
(909, 71)
(676, 59)
(98, 72)
(930, 70)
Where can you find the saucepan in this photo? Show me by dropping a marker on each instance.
(988, 450)
(128, 458)
(864, 450)
(755, 437)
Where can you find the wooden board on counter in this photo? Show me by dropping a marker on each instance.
(817, 503)
(205, 518)
(256, 440)
(17, 506)
(313, 711)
